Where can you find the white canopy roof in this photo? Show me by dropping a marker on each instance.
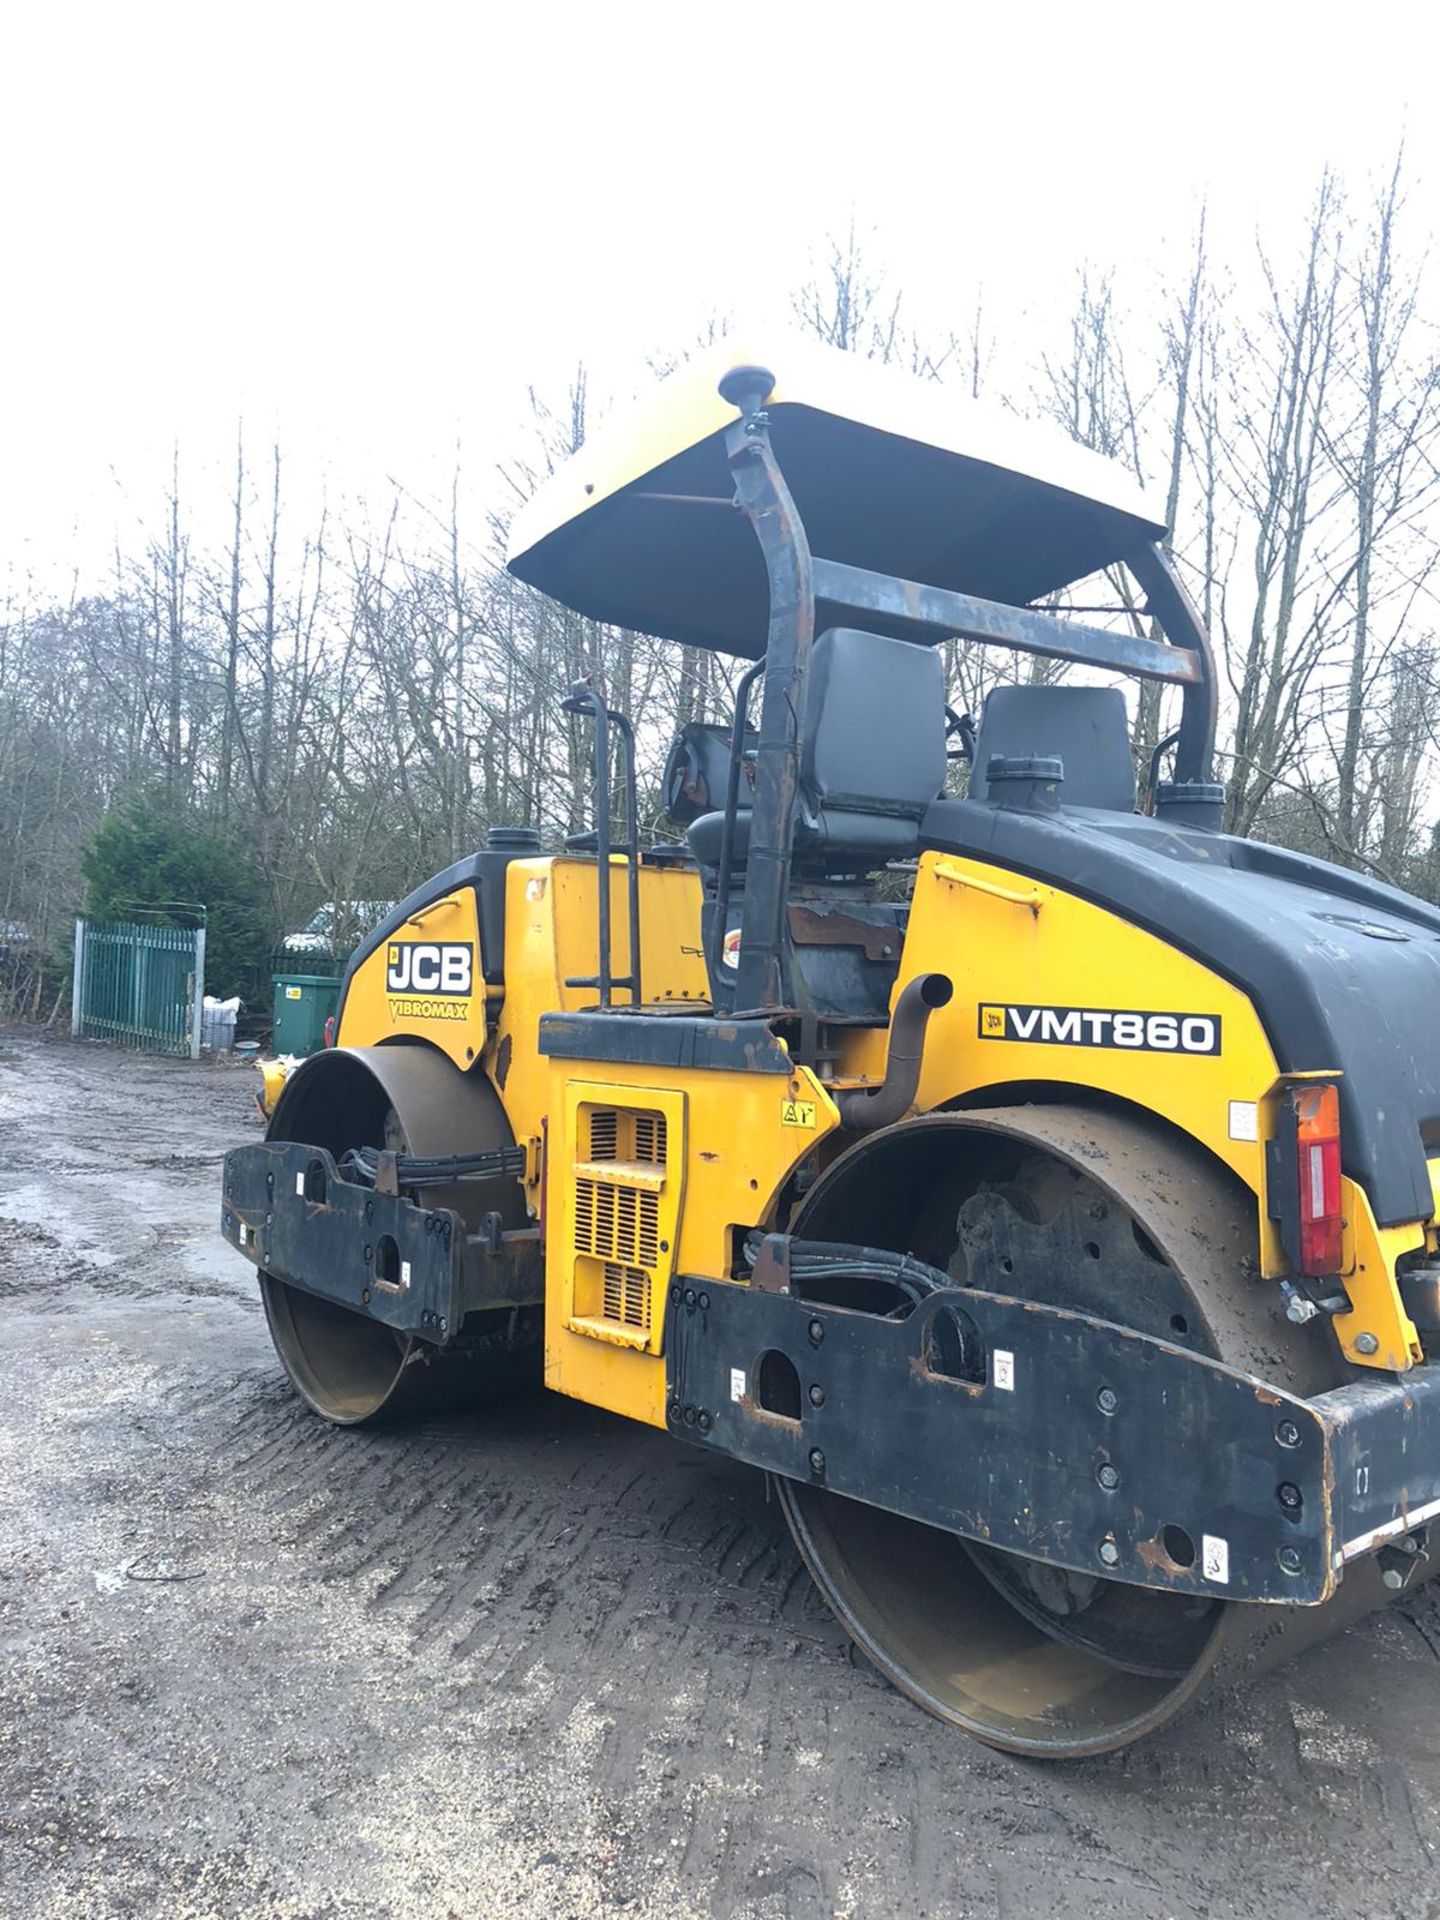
(891, 472)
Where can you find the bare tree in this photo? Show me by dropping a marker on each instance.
(356, 699)
(1280, 390)
(1384, 453)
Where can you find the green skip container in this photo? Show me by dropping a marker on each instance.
(303, 1003)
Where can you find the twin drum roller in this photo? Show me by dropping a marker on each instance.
(1029, 1176)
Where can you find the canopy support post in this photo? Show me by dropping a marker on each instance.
(1182, 626)
(762, 495)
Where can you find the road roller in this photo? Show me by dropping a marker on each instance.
(936, 1112)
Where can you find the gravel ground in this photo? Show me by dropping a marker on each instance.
(527, 1661)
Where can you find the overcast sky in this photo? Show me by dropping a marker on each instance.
(369, 228)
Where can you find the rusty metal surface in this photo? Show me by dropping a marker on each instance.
(762, 495)
(936, 613)
(839, 929)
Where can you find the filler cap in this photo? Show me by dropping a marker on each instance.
(1025, 780)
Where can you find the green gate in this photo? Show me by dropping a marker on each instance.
(139, 986)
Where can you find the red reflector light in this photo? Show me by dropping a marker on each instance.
(330, 1031)
(1317, 1116)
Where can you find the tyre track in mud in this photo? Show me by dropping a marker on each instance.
(527, 1660)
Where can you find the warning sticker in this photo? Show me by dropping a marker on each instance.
(797, 1113)
(1215, 1558)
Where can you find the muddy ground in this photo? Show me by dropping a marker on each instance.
(528, 1661)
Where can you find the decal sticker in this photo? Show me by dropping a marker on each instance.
(1004, 1370)
(797, 1113)
(1215, 1559)
(730, 948)
(1244, 1120)
(737, 1383)
(1131, 1032)
(292, 993)
(429, 967)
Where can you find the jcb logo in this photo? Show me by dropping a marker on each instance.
(1132, 1032)
(428, 966)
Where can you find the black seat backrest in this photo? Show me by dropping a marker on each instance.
(698, 770)
(875, 728)
(1085, 727)
(872, 757)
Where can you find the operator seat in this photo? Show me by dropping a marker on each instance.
(872, 757)
(1085, 728)
(698, 770)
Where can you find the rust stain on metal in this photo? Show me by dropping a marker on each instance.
(1152, 1555)
(1328, 1486)
(975, 1389)
(811, 929)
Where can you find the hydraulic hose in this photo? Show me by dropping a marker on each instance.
(813, 1262)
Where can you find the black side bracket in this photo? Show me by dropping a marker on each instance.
(1058, 1436)
(287, 1208)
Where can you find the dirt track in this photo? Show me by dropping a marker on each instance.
(531, 1661)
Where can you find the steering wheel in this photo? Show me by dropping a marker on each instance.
(960, 727)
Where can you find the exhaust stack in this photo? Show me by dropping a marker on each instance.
(863, 1110)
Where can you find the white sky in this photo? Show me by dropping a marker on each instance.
(370, 228)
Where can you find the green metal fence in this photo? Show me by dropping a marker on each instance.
(139, 986)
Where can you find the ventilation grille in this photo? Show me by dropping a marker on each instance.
(626, 1297)
(650, 1138)
(617, 1223)
(624, 1221)
(622, 1134)
(604, 1133)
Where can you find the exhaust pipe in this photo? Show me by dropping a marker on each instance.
(863, 1110)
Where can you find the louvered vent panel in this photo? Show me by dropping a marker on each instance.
(650, 1138)
(627, 1297)
(584, 1216)
(617, 1223)
(623, 1206)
